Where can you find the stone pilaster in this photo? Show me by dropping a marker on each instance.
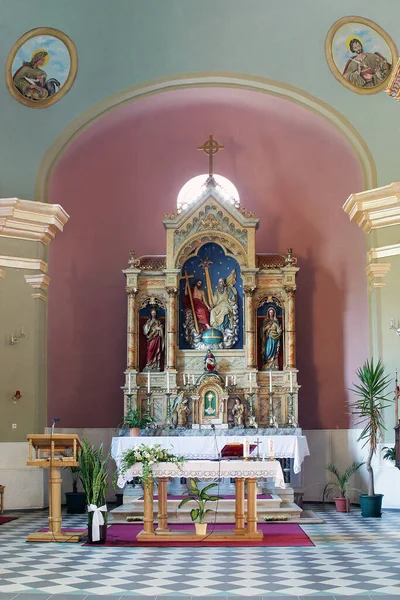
(171, 330)
(131, 335)
(250, 336)
(290, 330)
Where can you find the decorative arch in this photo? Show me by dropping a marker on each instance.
(232, 80)
(227, 242)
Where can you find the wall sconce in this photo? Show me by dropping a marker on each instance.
(17, 397)
(393, 326)
(14, 339)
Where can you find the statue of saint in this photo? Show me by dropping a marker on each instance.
(154, 333)
(209, 362)
(224, 306)
(238, 413)
(200, 304)
(270, 335)
(181, 411)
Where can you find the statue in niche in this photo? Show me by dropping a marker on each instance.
(270, 335)
(238, 413)
(180, 411)
(153, 330)
(201, 307)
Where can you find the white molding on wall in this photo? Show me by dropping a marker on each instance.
(383, 252)
(38, 282)
(375, 273)
(2, 273)
(31, 220)
(18, 262)
(375, 208)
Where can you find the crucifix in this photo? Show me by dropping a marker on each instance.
(210, 147)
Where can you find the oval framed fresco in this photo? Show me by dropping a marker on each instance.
(360, 54)
(41, 67)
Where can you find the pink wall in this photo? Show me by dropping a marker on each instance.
(118, 179)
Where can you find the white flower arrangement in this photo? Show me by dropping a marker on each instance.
(148, 456)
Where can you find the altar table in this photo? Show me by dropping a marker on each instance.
(208, 447)
(242, 470)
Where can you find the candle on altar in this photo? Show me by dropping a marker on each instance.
(234, 380)
(193, 379)
(226, 381)
(148, 382)
(184, 379)
(270, 382)
(167, 382)
(129, 382)
(291, 381)
(251, 381)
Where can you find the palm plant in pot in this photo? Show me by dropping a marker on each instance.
(135, 421)
(201, 497)
(342, 502)
(94, 472)
(371, 400)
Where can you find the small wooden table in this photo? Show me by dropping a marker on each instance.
(46, 450)
(243, 471)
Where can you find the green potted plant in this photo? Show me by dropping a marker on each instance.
(341, 484)
(390, 453)
(371, 399)
(75, 501)
(94, 472)
(135, 421)
(201, 497)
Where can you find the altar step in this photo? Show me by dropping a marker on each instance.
(267, 508)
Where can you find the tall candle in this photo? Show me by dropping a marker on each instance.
(226, 381)
(291, 381)
(251, 381)
(148, 382)
(129, 382)
(193, 379)
(167, 382)
(234, 380)
(270, 382)
(184, 379)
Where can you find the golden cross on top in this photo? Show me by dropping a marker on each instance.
(210, 147)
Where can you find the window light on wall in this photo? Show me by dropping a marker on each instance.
(195, 187)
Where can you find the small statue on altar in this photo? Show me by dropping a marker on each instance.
(238, 413)
(181, 411)
(270, 334)
(209, 362)
(153, 330)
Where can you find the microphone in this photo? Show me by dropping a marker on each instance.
(55, 420)
(212, 426)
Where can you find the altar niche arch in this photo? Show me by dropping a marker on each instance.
(215, 298)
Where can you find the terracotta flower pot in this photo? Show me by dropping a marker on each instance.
(134, 432)
(342, 504)
(201, 528)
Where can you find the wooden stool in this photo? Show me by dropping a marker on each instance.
(2, 488)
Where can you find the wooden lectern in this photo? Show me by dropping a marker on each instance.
(46, 450)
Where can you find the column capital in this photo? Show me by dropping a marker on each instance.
(172, 291)
(249, 290)
(131, 291)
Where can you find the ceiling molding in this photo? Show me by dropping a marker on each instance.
(18, 262)
(375, 208)
(33, 221)
(197, 80)
(375, 273)
(383, 252)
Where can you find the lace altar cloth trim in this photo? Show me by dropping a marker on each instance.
(196, 447)
(211, 470)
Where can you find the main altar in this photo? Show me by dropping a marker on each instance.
(211, 330)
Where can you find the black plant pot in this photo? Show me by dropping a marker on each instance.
(371, 505)
(76, 503)
(103, 535)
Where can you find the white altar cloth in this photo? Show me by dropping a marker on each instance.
(208, 447)
(207, 469)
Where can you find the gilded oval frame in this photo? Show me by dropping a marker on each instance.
(73, 69)
(332, 63)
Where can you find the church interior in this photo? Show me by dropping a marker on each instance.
(199, 250)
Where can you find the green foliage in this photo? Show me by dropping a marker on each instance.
(133, 418)
(342, 479)
(93, 474)
(390, 453)
(371, 400)
(76, 478)
(201, 497)
(148, 456)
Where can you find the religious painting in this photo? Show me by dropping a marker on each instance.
(152, 337)
(270, 338)
(360, 54)
(210, 404)
(41, 67)
(211, 300)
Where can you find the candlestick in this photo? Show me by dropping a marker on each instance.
(167, 382)
(291, 380)
(148, 382)
(270, 381)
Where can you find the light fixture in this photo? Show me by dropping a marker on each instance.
(17, 397)
(393, 326)
(14, 339)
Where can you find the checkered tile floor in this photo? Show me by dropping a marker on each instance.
(352, 556)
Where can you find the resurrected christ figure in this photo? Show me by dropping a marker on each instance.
(201, 306)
